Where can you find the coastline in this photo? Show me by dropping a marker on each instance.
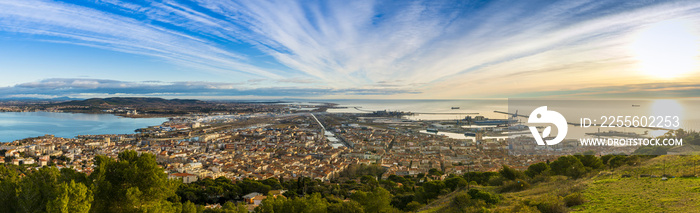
(70, 125)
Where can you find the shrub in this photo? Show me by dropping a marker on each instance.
(483, 195)
(551, 204)
(455, 183)
(569, 166)
(590, 161)
(514, 186)
(413, 206)
(444, 191)
(574, 199)
(540, 178)
(633, 160)
(480, 177)
(431, 190)
(525, 209)
(463, 202)
(536, 169)
(617, 161)
(496, 180)
(510, 173)
(577, 188)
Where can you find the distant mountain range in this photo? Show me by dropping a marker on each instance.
(144, 106)
(129, 101)
(150, 106)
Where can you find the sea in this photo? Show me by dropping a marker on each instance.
(427, 109)
(687, 111)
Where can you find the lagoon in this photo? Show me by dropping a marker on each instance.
(20, 125)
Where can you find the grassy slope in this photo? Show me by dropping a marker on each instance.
(608, 191)
(611, 193)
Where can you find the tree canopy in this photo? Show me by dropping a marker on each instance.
(131, 182)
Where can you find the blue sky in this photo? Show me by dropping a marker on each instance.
(348, 49)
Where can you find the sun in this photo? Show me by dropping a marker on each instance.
(667, 49)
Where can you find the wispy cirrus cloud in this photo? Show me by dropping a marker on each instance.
(64, 22)
(448, 49)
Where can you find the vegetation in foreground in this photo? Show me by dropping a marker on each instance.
(586, 183)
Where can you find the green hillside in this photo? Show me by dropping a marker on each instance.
(636, 186)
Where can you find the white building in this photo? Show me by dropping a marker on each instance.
(185, 177)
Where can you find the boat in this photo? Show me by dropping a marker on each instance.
(455, 107)
(494, 122)
(432, 130)
(481, 120)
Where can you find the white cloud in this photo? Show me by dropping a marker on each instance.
(464, 48)
(86, 26)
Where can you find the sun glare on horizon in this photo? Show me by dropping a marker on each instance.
(667, 49)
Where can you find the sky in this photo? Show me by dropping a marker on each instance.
(259, 49)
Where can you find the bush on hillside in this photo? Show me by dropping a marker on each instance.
(536, 169)
(483, 195)
(497, 180)
(574, 199)
(551, 204)
(514, 186)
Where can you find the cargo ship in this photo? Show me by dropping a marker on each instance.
(480, 120)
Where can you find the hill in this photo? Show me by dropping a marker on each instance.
(155, 107)
(128, 101)
(134, 106)
(633, 187)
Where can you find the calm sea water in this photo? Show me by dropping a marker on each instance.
(687, 109)
(20, 125)
(482, 107)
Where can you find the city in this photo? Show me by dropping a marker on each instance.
(287, 141)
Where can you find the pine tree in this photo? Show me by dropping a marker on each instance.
(133, 182)
(71, 197)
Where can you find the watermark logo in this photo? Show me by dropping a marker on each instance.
(543, 116)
